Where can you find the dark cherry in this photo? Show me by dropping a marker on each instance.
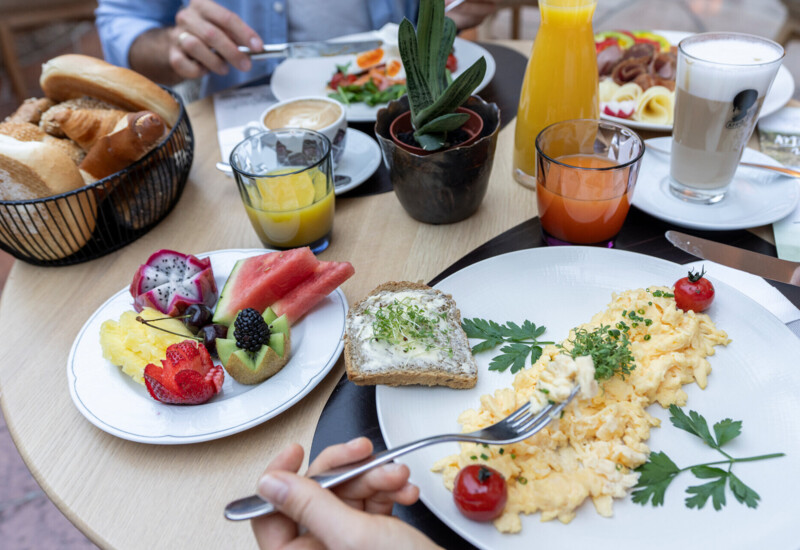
(197, 316)
(210, 333)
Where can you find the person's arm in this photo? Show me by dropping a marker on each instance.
(353, 515)
(169, 44)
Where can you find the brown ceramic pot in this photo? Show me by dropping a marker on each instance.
(402, 124)
(442, 186)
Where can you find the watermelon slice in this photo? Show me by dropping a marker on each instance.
(325, 279)
(259, 281)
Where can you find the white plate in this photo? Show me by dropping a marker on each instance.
(362, 156)
(755, 379)
(756, 197)
(779, 94)
(113, 402)
(309, 76)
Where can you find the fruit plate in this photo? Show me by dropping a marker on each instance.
(116, 404)
(755, 379)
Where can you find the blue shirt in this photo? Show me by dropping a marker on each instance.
(120, 22)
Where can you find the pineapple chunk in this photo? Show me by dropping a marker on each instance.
(132, 345)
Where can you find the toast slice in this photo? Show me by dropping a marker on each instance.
(406, 333)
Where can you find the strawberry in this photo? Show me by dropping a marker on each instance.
(187, 375)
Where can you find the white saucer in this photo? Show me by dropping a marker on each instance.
(361, 158)
(756, 197)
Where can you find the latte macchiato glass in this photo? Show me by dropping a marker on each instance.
(720, 86)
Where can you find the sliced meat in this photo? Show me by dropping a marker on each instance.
(664, 65)
(628, 70)
(640, 51)
(607, 59)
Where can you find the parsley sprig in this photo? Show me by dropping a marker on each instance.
(659, 471)
(521, 341)
(610, 349)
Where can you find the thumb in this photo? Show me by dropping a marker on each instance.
(317, 509)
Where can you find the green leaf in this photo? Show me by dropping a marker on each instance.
(448, 37)
(713, 489)
(430, 24)
(455, 94)
(536, 353)
(726, 430)
(343, 68)
(419, 95)
(742, 492)
(708, 472)
(481, 328)
(431, 142)
(486, 345)
(654, 477)
(694, 423)
(501, 362)
(444, 123)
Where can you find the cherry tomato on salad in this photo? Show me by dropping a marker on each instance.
(452, 63)
(480, 492)
(694, 292)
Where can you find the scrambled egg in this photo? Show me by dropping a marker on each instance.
(592, 450)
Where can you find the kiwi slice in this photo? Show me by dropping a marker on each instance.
(252, 368)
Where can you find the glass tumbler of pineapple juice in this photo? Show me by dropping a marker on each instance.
(560, 81)
(285, 179)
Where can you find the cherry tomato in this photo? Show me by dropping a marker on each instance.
(694, 292)
(480, 492)
(452, 63)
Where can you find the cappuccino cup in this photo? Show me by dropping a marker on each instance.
(321, 114)
(721, 83)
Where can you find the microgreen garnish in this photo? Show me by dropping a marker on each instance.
(402, 323)
(610, 349)
(522, 341)
(659, 471)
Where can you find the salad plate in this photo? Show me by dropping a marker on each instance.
(309, 76)
(779, 94)
(561, 287)
(116, 404)
(756, 197)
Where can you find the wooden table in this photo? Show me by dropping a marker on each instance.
(129, 495)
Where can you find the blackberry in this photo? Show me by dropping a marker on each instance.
(250, 330)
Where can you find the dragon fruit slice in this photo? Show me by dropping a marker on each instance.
(171, 281)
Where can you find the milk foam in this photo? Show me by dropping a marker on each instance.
(720, 68)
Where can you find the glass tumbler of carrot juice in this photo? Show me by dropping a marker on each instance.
(585, 179)
(285, 179)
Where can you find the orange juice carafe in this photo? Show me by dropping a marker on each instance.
(560, 81)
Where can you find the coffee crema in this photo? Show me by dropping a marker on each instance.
(311, 114)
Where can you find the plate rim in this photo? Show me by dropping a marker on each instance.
(376, 161)
(491, 68)
(676, 36)
(788, 207)
(171, 439)
(470, 535)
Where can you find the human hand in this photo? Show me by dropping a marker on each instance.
(206, 37)
(472, 12)
(352, 515)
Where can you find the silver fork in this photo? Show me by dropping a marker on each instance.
(520, 424)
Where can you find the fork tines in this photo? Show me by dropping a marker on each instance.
(528, 423)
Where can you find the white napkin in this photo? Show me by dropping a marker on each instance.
(753, 286)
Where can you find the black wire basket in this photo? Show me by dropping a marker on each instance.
(101, 217)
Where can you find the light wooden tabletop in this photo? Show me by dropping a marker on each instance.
(130, 495)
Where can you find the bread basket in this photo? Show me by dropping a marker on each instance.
(101, 217)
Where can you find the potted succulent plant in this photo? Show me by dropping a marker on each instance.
(437, 141)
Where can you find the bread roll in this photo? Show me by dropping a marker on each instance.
(132, 138)
(31, 110)
(72, 76)
(50, 230)
(25, 131)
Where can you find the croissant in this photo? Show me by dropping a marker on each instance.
(132, 138)
(86, 126)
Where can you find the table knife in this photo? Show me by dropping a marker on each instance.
(311, 49)
(762, 265)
